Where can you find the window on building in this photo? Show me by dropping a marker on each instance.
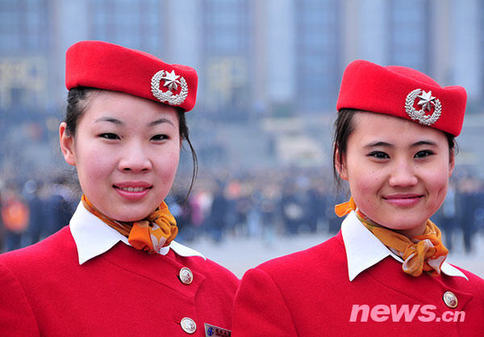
(133, 24)
(23, 25)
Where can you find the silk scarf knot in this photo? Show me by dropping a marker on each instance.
(420, 253)
(151, 234)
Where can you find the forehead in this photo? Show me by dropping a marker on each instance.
(132, 109)
(376, 126)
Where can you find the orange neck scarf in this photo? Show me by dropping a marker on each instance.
(421, 253)
(151, 234)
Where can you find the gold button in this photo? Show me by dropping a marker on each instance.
(188, 325)
(450, 299)
(185, 275)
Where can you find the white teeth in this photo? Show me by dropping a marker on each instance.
(132, 189)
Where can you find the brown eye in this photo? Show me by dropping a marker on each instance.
(159, 138)
(423, 154)
(378, 155)
(110, 136)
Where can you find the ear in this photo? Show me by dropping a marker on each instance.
(340, 164)
(451, 162)
(66, 142)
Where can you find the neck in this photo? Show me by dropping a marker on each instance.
(409, 233)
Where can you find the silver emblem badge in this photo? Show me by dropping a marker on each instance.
(172, 81)
(185, 275)
(427, 103)
(188, 325)
(450, 299)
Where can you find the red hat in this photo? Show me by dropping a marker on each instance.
(402, 92)
(108, 66)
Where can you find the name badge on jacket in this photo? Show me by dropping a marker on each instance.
(215, 331)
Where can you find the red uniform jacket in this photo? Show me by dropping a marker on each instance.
(123, 292)
(309, 294)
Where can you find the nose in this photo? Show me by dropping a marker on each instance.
(403, 175)
(134, 158)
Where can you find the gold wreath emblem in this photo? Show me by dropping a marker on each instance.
(420, 115)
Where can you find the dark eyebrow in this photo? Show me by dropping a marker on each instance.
(109, 119)
(118, 122)
(378, 143)
(424, 142)
(416, 144)
(161, 121)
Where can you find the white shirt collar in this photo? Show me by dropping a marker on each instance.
(93, 237)
(364, 250)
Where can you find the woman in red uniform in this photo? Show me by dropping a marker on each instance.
(115, 270)
(384, 273)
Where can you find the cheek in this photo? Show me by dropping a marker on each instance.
(173, 164)
(94, 164)
(362, 192)
(168, 163)
(437, 190)
(365, 184)
(437, 183)
(364, 178)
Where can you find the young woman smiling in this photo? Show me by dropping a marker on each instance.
(115, 270)
(385, 273)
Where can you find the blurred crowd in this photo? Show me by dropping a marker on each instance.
(264, 204)
(34, 209)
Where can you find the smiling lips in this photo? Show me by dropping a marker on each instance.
(132, 190)
(403, 200)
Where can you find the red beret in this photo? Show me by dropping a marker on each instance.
(402, 92)
(108, 66)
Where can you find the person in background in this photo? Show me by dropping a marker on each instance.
(37, 217)
(469, 201)
(384, 273)
(218, 213)
(116, 270)
(15, 215)
(60, 202)
(447, 216)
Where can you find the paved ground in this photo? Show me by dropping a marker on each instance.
(240, 254)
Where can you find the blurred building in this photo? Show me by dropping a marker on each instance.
(25, 33)
(227, 49)
(318, 53)
(251, 54)
(257, 59)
